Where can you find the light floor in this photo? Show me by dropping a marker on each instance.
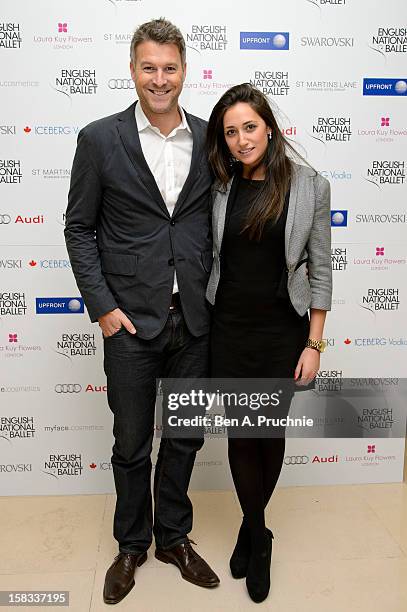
(336, 549)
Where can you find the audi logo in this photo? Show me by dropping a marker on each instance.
(68, 388)
(120, 84)
(5, 219)
(296, 460)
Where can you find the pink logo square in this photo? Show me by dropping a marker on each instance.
(385, 122)
(12, 338)
(379, 251)
(207, 74)
(62, 27)
(371, 448)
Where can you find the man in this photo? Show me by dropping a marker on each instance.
(139, 240)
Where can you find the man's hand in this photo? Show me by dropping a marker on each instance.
(307, 367)
(112, 321)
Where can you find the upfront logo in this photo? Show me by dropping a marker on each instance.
(266, 41)
(59, 305)
(384, 87)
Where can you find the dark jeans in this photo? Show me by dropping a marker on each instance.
(132, 366)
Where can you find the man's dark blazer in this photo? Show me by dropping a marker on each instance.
(123, 244)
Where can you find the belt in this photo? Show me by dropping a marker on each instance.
(175, 302)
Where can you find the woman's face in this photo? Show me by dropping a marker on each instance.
(246, 134)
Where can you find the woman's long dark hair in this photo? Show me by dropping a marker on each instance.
(269, 202)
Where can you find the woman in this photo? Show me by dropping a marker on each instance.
(271, 227)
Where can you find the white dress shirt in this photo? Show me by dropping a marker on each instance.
(168, 157)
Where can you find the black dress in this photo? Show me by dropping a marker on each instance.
(255, 333)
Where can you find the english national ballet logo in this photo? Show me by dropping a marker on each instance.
(389, 40)
(10, 35)
(12, 303)
(379, 299)
(207, 37)
(76, 344)
(76, 81)
(375, 418)
(271, 82)
(16, 427)
(265, 41)
(339, 258)
(386, 172)
(320, 4)
(331, 129)
(329, 380)
(10, 171)
(63, 464)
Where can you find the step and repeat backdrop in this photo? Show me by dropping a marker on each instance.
(336, 73)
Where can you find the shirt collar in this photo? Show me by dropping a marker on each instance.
(143, 123)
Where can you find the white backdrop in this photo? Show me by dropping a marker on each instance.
(65, 64)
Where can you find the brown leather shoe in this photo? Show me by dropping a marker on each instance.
(120, 576)
(193, 568)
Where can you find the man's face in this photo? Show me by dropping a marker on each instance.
(158, 75)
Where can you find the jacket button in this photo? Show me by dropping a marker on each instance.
(171, 262)
(172, 222)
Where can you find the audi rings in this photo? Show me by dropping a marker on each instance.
(5, 219)
(120, 84)
(68, 388)
(296, 460)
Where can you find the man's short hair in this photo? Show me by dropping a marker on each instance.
(160, 31)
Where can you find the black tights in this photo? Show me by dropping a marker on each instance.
(255, 465)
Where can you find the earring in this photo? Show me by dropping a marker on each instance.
(269, 135)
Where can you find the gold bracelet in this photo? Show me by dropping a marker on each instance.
(318, 345)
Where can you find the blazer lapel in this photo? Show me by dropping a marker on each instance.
(292, 203)
(129, 136)
(219, 213)
(198, 145)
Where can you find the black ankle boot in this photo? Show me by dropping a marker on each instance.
(241, 554)
(258, 571)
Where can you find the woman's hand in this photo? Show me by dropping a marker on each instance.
(307, 366)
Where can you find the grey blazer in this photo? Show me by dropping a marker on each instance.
(307, 237)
